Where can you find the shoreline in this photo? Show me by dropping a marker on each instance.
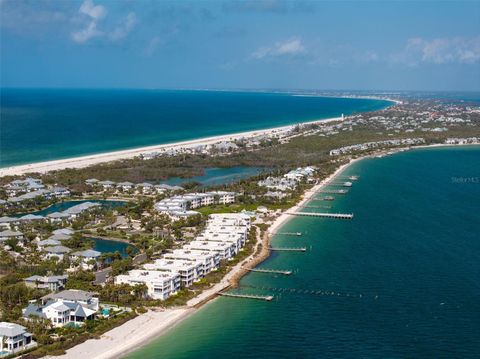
(126, 338)
(89, 160)
(83, 161)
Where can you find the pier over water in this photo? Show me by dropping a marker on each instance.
(267, 298)
(296, 234)
(273, 271)
(285, 249)
(325, 215)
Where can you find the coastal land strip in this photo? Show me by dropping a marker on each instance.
(143, 329)
(89, 160)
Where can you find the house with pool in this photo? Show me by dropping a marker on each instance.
(68, 307)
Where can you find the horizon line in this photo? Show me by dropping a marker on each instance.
(233, 89)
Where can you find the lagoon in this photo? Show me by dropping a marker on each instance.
(110, 246)
(62, 206)
(218, 176)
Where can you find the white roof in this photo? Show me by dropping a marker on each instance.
(89, 253)
(11, 329)
(9, 233)
(142, 275)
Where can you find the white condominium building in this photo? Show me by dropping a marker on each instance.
(160, 285)
(210, 261)
(189, 271)
(236, 240)
(238, 219)
(224, 249)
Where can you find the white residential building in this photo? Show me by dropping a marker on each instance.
(209, 261)
(107, 184)
(7, 234)
(67, 307)
(14, 338)
(56, 251)
(52, 283)
(160, 285)
(59, 192)
(145, 187)
(125, 186)
(224, 249)
(48, 243)
(225, 197)
(239, 218)
(92, 181)
(181, 206)
(88, 258)
(189, 271)
(235, 240)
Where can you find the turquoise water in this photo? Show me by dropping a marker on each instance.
(218, 176)
(62, 206)
(109, 246)
(400, 280)
(101, 245)
(46, 124)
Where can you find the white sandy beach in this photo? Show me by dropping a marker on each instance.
(284, 217)
(131, 335)
(146, 327)
(85, 161)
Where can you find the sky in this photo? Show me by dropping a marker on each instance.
(337, 45)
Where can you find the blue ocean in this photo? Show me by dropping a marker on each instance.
(400, 280)
(46, 124)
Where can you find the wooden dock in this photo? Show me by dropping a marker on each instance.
(333, 191)
(350, 178)
(285, 249)
(297, 234)
(326, 198)
(324, 215)
(340, 184)
(272, 271)
(267, 298)
(317, 207)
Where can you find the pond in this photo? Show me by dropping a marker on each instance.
(218, 176)
(111, 246)
(62, 206)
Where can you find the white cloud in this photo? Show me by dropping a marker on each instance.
(26, 17)
(123, 30)
(152, 45)
(269, 6)
(96, 12)
(440, 51)
(289, 47)
(92, 17)
(87, 33)
(158, 41)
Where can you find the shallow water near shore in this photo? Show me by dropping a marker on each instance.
(400, 280)
(48, 124)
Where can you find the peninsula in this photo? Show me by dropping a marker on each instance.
(191, 243)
